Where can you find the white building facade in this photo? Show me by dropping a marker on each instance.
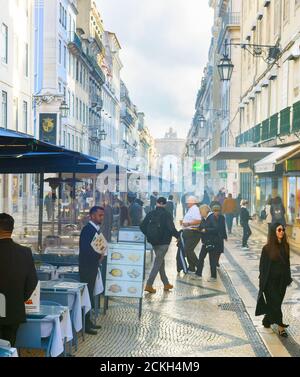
(16, 84)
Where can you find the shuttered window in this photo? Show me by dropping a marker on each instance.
(285, 121)
(273, 125)
(296, 116)
(265, 129)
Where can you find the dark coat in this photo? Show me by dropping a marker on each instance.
(170, 208)
(18, 280)
(264, 273)
(209, 230)
(166, 223)
(135, 213)
(108, 222)
(88, 258)
(244, 216)
(222, 233)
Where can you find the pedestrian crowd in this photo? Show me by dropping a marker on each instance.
(208, 222)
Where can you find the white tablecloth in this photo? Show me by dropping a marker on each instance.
(62, 330)
(82, 300)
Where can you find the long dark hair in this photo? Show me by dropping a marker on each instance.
(273, 246)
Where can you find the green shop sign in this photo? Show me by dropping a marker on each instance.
(198, 166)
(223, 175)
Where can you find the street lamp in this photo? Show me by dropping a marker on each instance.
(102, 135)
(64, 109)
(201, 121)
(191, 148)
(225, 68)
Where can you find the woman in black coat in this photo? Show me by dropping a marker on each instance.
(222, 234)
(275, 276)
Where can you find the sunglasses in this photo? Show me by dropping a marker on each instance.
(279, 230)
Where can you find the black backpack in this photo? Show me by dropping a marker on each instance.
(277, 212)
(154, 231)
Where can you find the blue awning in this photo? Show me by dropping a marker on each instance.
(21, 154)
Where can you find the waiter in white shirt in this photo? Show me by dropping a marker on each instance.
(191, 233)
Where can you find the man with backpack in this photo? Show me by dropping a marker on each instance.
(159, 228)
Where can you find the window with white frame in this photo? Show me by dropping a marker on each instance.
(26, 62)
(25, 116)
(59, 51)
(4, 43)
(4, 109)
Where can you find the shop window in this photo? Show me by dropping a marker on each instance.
(298, 200)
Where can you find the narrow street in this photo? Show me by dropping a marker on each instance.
(198, 318)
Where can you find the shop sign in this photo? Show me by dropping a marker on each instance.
(48, 128)
(223, 175)
(292, 165)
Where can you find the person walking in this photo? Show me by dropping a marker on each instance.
(278, 211)
(222, 234)
(209, 237)
(206, 198)
(183, 203)
(124, 215)
(153, 200)
(274, 278)
(108, 220)
(135, 213)
(49, 205)
(245, 217)
(229, 210)
(268, 213)
(89, 260)
(215, 202)
(238, 208)
(170, 206)
(191, 234)
(18, 280)
(159, 228)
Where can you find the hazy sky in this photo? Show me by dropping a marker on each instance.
(164, 50)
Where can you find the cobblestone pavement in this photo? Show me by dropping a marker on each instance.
(243, 269)
(196, 319)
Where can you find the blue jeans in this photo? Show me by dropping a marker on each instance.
(229, 221)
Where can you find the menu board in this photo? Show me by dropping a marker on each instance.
(125, 270)
(131, 235)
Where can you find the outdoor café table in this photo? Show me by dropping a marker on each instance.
(52, 270)
(61, 251)
(62, 326)
(82, 299)
(8, 352)
(64, 270)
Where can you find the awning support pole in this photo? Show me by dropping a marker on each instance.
(74, 197)
(59, 203)
(41, 209)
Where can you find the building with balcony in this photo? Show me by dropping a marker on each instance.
(91, 29)
(111, 95)
(61, 74)
(129, 129)
(270, 102)
(215, 123)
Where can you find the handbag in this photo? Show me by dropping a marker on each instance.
(210, 248)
